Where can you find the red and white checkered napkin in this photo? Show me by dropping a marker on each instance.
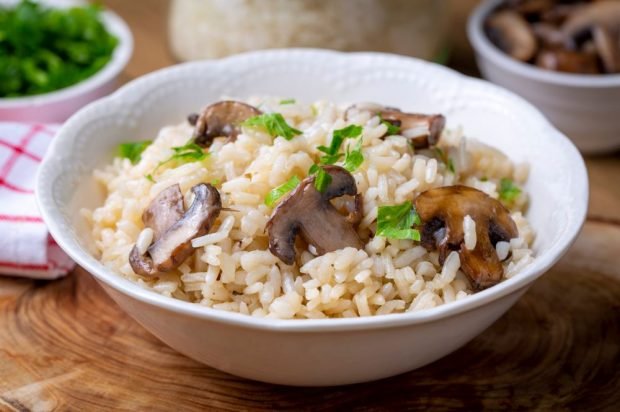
(26, 247)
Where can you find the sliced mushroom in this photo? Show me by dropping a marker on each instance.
(164, 211)
(309, 213)
(509, 31)
(350, 206)
(442, 211)
(172, 243)
(222, 119)
(423, 130)
(568, 61)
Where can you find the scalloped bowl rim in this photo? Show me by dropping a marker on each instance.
(483, 45)
(120, 57)
(535, 269)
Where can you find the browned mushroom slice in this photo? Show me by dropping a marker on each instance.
(222, 119)
(423, 130)
(164, 211)
(568, 61)
(173, 246)
(309, 213)
(350, 206)
(442, 211)
(509, 31)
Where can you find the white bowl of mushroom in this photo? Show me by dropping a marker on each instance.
(212, 246)
(564, 57)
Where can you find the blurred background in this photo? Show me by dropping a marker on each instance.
(168, 31)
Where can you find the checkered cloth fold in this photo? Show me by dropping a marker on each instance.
(26, 247)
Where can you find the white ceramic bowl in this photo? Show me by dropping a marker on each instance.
(57, 106)
(318, 351)
(585, 107)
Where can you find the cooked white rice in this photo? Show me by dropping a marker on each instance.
(232, 268)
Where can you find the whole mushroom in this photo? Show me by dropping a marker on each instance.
(442, 212)
(174, 229)
(509, 31)
(310, 214)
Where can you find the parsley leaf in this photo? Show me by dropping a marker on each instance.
(330, 159)
(274, 124)
(322, 178)
(275, 194)
(288, 101)
(338, 136)
(451, 166)
(508, 191)
(395, 222)
(445, 159)
(133, 150)
(392, 129)
(354, 158)
(188, 153)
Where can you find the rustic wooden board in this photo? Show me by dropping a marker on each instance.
(65, 344)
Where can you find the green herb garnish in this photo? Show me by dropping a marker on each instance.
(338, 137)
(322, 178)
(274, 124)
(450, 165)
(392, 129)
(276, 193)
(445, 159)
(188, 153)
(45, 49)
(395, 222)
(288, 101)
(133, 150)
(354, 158)
(508, 191)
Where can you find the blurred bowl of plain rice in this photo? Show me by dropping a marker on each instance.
(314, 351)
(207, 29)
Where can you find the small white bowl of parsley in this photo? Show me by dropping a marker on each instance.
(56, 57)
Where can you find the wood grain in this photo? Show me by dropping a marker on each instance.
(66, 345)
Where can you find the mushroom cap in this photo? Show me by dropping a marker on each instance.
(509, 31)
(173, 245)
(222, 119)
(442, 211)
(310, 214)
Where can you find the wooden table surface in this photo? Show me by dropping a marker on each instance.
(65, 345)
